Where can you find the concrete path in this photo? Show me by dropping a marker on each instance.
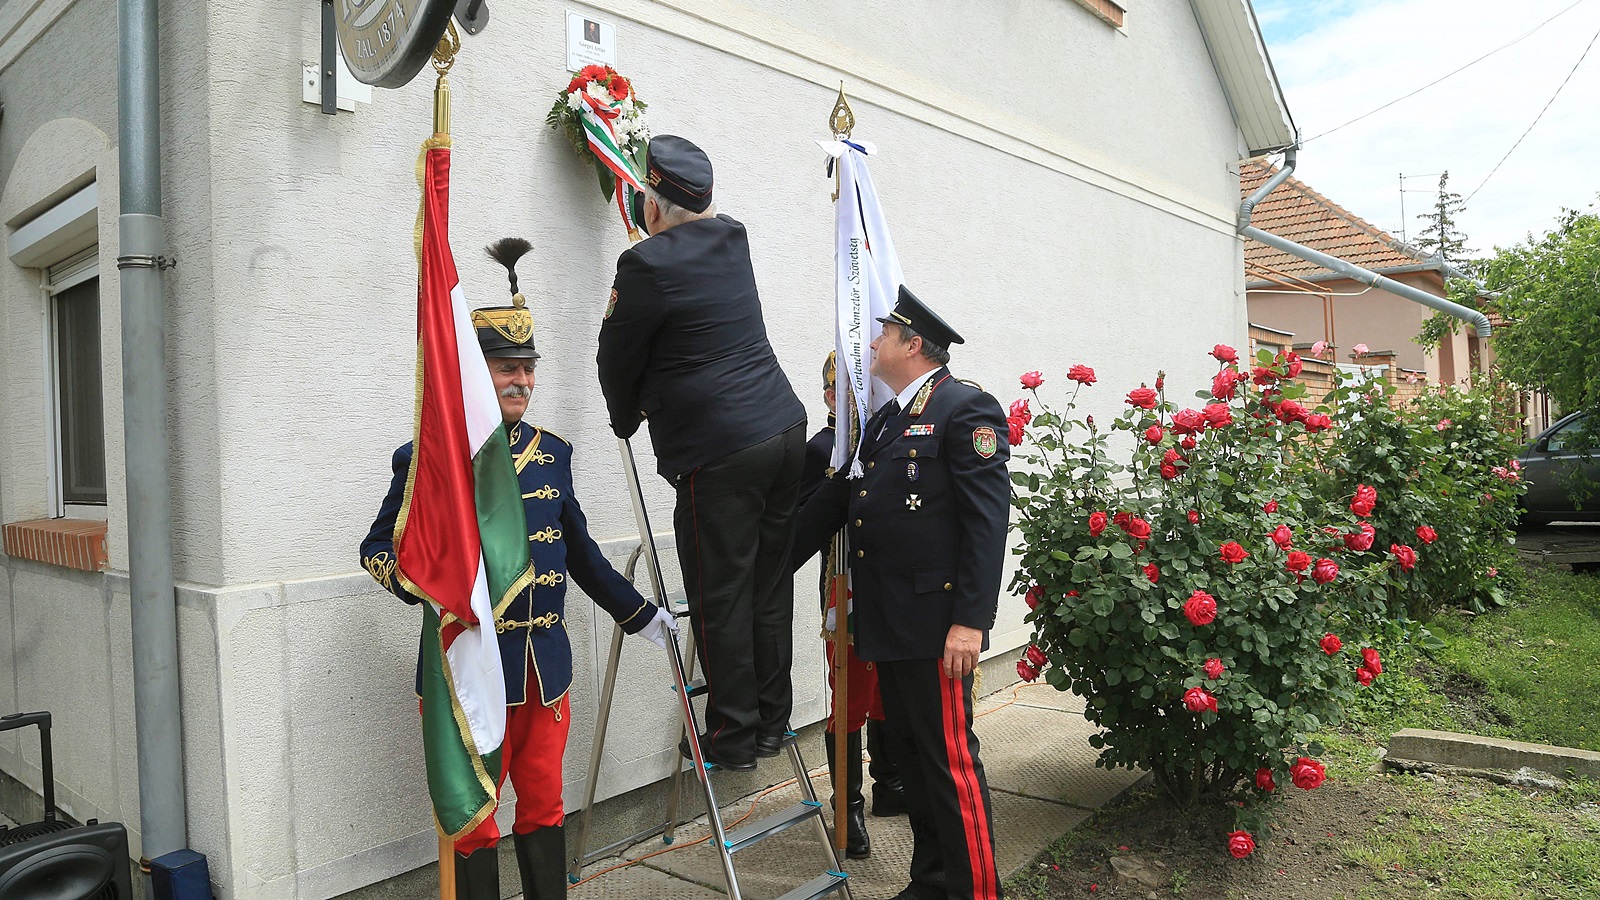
(1042, 781)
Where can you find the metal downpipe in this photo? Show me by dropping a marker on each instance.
(1349, 270)
(141, 239)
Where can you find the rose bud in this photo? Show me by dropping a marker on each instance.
(1189, 442)
(1034, 596)
(1152, 572)
(1194, 517)
(1270, 507)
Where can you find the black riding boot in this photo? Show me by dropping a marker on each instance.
(888, 795)
(478, 875)
(542, 860)
(858, 844)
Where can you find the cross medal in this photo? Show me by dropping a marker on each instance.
(913, 502)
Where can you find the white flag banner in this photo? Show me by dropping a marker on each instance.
(868, 280)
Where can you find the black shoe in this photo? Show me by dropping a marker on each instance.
(918, 892)
(857, 843)
(769, 746)
(888, 800)
(478, 875)
(713, 758)
(541, 860)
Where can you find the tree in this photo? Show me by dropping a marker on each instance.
(1442, 236)
(1549, 295)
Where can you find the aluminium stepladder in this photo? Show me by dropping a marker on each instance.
(833, 879)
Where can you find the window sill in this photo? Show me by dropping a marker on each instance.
(72, 543)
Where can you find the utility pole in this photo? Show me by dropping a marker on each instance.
(1403, 192)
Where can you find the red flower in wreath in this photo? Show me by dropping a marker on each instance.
(619, 87)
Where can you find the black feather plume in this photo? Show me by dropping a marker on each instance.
(506, 252)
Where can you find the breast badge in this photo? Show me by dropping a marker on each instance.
(984, 441)
(913, 502)
(911, 471)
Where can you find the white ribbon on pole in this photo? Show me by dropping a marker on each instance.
(868, 279)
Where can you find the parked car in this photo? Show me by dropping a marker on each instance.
(1550, 464)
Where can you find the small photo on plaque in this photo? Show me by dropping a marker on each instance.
(590, 42)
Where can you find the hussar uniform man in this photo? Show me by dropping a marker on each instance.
(926, 527)
(534, 647)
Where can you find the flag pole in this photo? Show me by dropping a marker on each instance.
(444, 56)
(841, 120)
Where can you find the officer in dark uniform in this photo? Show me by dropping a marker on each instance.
(865, 707)
(927, 533)
(683, 343)
(534, 649)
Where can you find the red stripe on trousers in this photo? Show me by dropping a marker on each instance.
(975, 823)
(536, 739)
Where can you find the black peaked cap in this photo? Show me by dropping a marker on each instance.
(679, 171)
(915, 315)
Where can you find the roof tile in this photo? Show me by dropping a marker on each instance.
(1294, 211)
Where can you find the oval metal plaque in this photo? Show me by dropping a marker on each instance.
(386, 42)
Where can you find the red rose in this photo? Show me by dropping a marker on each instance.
(1318, 422)
(1122, 519)
(1270, 507)
(1019, 411)
(1080, 374)
(620, 87)
(1426, 534)
(1224, 353)
(1137, 528)
(1097, 523)
(1218, 415)
(1365, 500)
(1143, 398)
(1188, 421)
(1365, 676)
(1200, 608)
(1233, 553)
(1264, 780)
(1330, 643)
(1198, 699)
(1036, 656)
(1194, 517)
(1282, 536)
(1188, 443)
(1032, 380)
(1360, 540)
(1226, 383)
(1153, 434)
(1298, 561)
(1152, 572)
(1262, 376)
(1014, 432)
(1290, 411)
(1241, 844)
(1161, 381)
(1371, 661)
(1307, 773)
(1404, 555)
(1292, 361)
(1325, 571)
(1072, 593)
(1027, 672)
(1033, 597)
(1169, 471)
(1214, 668)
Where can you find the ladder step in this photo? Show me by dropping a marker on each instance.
(697, 687)
(820, 886)
(756, 831)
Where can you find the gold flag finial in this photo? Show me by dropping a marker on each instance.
(842, 120)
(444, 56)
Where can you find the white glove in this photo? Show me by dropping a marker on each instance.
(662, 628)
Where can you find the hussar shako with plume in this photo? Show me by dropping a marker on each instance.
(507, 330)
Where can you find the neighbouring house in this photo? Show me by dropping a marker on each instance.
(1311, 303)
(1031, 155)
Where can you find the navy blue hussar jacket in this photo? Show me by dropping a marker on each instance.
(684, 343)
(926, 525)
(533, 625)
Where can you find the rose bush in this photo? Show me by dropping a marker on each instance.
(1198, 628)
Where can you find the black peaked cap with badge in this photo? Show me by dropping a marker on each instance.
(911, 312)
(506, 331)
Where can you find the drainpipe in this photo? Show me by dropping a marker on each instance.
(1349, 270)
(141, 240)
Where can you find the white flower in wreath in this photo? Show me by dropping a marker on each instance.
(599, 92)
(575, 101)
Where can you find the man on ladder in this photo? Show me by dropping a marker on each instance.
(684, 344)
(532, 631)
(927, 533)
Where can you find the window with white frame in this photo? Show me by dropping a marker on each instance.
(72, 290)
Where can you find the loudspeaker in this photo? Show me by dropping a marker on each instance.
(85, 863)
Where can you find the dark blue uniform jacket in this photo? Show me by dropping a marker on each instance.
(926, 525)
(683, 342)
(560, 547)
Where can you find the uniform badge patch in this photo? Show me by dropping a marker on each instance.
(985, 441)
(918, 431)
(611, 304)
(911, 471)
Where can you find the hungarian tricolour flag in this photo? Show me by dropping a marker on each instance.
(461, 542)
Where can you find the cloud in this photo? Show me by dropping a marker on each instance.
(1338, 59)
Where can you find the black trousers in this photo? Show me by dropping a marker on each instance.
(735, 523)
(947, 798)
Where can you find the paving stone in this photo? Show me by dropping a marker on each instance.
(1046, 754)
(637, 882)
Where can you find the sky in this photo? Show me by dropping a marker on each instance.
(1338, 59)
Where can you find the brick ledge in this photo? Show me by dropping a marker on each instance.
(72, 543)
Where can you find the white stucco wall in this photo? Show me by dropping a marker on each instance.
(1082, 213)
